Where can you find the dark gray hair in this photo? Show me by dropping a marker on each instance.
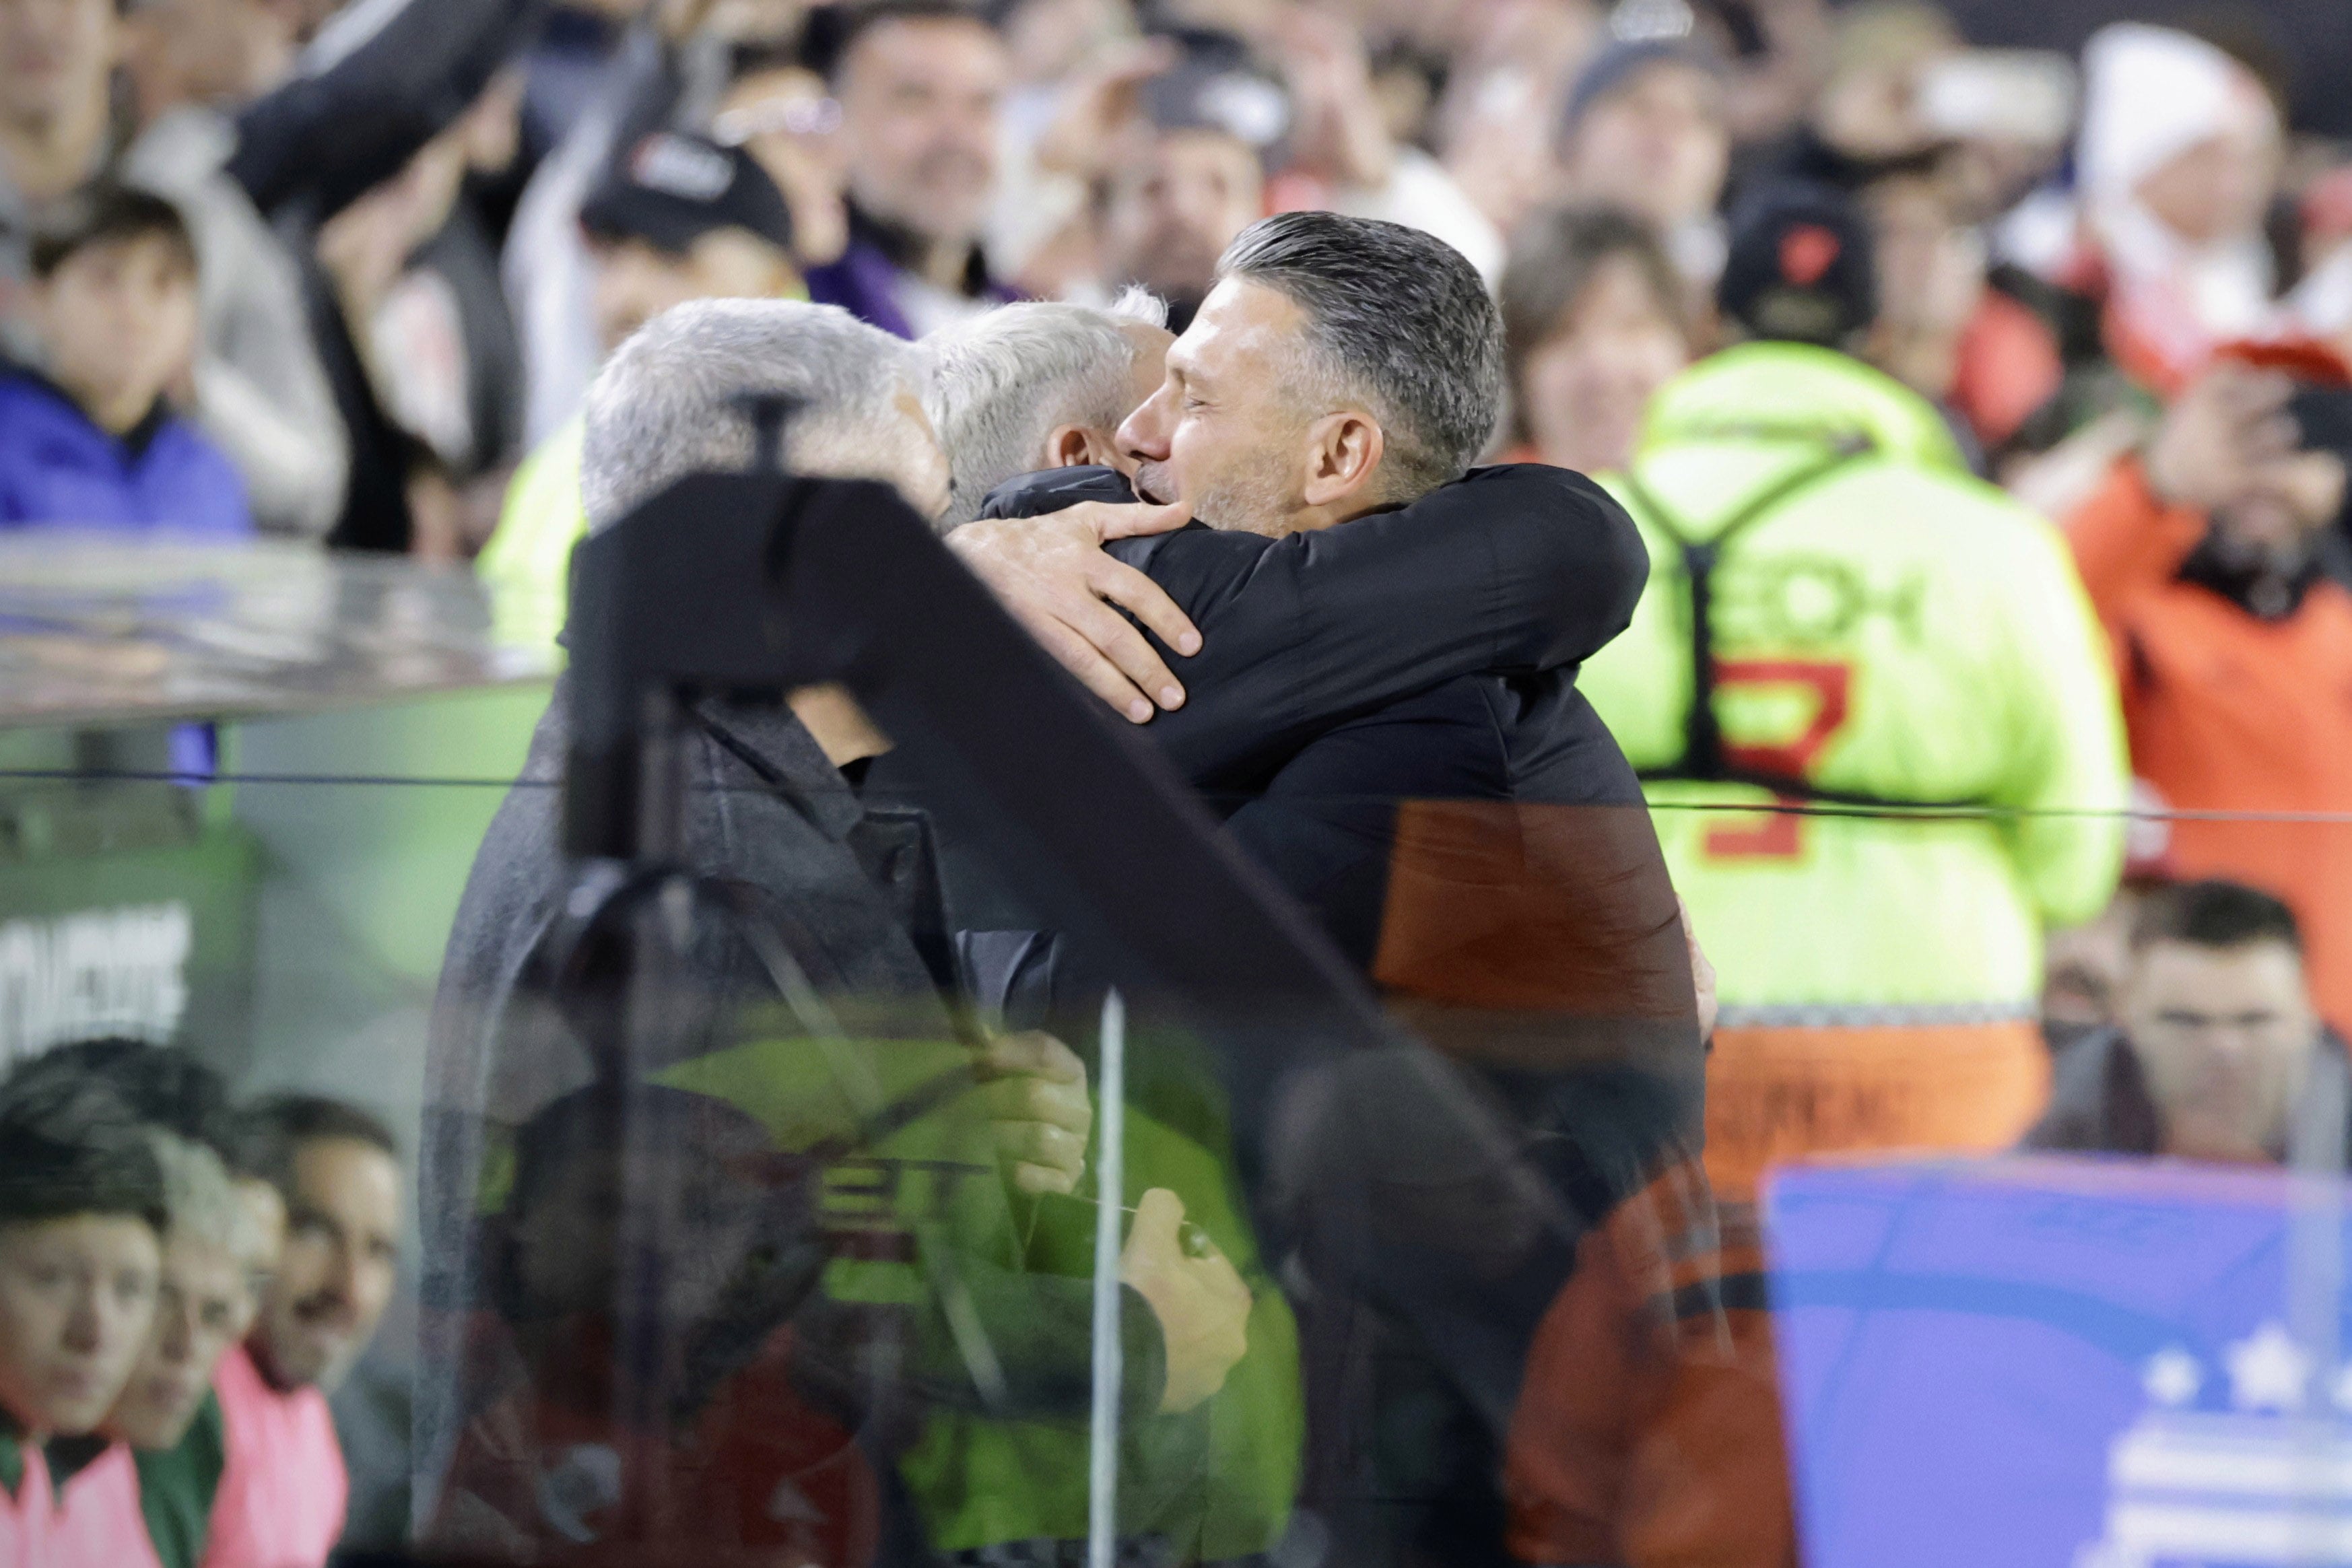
(1002, 383)
(1397, 322)
(674, 400)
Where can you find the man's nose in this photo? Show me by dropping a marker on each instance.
(175, 1329)
(85, 1329)
(1143, 434)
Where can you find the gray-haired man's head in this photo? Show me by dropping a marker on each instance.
(676, 399)
(1340, 365)
(1039, 385)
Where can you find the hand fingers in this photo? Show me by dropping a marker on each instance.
(1157, 1213)
(1037, 1144)
(1148, 603)
(1025, 1099)
(1094, 671)
(1036, 1180)
(1144, 518)
(1117, 639)
(1032, 1052)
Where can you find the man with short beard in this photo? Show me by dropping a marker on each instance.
(283, 1486)
(919, 82)
(1466, 829)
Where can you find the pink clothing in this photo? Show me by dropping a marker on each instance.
(283, 1485)
(95, 1523)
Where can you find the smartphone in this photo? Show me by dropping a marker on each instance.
(2001, 95)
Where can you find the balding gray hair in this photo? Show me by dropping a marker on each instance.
(1002, 384)
(675, 399)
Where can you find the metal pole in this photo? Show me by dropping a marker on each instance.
(1110, 1185)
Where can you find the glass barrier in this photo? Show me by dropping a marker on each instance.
(984, 1149)
(848, 1193)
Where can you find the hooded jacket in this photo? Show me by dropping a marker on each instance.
(1887, 640)
(59, 468)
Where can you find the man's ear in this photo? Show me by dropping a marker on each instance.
(1343, 458)
(1078, 446)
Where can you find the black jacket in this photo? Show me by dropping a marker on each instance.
(1386, 713)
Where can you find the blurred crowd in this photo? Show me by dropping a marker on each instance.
(182, 1279)
(1978, 423)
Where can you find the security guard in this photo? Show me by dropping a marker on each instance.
(1876, 719)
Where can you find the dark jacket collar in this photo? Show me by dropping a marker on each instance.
(904, 249)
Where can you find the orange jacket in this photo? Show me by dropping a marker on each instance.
(2229, 713)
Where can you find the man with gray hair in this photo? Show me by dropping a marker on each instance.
(677, 398)
(772, 808)
(1040, 385)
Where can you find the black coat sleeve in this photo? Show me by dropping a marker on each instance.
(1515, 568)
(348, 120)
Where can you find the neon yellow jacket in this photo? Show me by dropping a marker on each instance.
(1885, 629)
(527, 564)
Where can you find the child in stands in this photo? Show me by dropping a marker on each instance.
(88, 438)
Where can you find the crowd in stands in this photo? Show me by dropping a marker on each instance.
(1965, 584)
(182, 1279)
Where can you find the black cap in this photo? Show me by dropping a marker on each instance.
(669, 189)
(1801, 269)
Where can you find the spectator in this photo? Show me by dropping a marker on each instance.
(1593, 324)
(95, 443)
(660, 78)
(2203, 557)
(778, 111)
(168, 1412)
(1495, 123)
(82, 1215)
(670, 403)
(1872, 111)
(168, 1088)
(1344, 155)
(259, 388)
(1033, 386)
(1192, 178)
(415, 338)
(1644, 131)
(56, 130)
(919, 83)
(1874, 628)
(2219, 1044)
(678, 219)
(282, 1483)
(567, 67)
(1982, 356)
(2178, 164)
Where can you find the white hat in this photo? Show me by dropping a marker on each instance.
(2151, 94)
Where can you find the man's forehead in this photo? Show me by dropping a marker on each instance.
(1239, 321)
(921, 42)
(2167, 966)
